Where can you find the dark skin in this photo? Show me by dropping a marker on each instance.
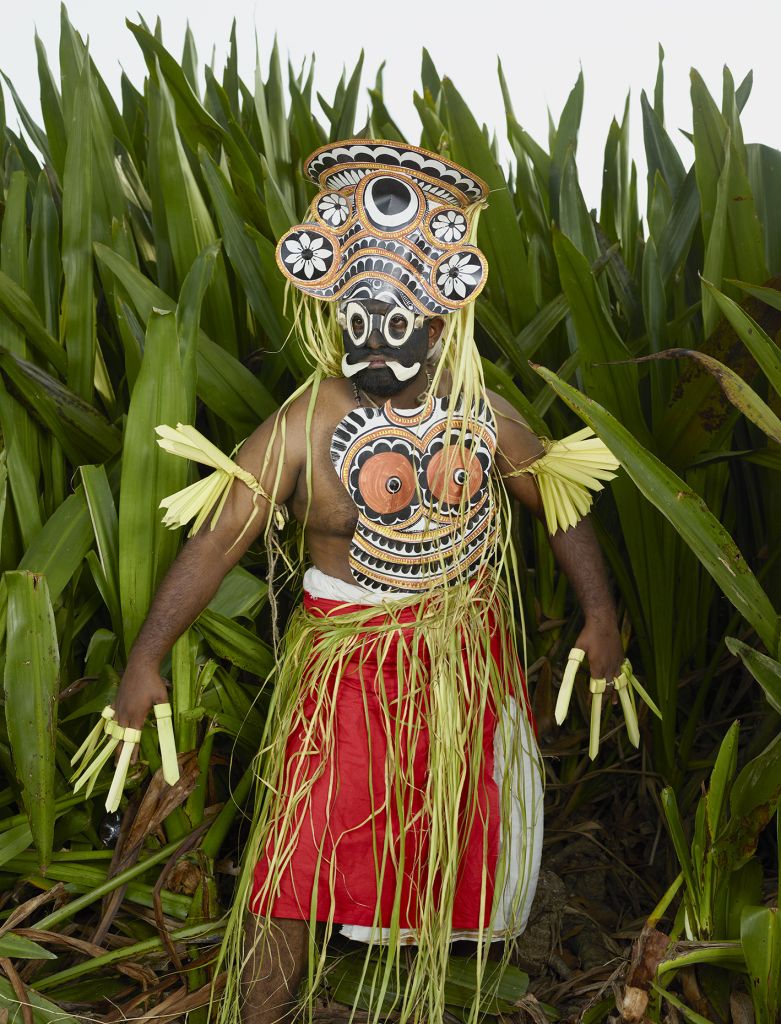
(194, 577)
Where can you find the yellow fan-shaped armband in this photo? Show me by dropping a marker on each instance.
(567, 474)
(208, 495)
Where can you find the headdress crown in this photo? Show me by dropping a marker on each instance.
(387, 214)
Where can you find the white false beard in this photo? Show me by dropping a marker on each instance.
(400, 372)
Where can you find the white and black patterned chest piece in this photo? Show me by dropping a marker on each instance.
(419, 479)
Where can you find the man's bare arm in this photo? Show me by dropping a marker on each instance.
(576, 550)
(196, 574)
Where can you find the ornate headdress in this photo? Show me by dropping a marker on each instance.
(388, 217)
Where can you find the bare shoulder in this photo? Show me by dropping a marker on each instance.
(282, 433)
(517, 444)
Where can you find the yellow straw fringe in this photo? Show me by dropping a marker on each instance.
(567, 473)
(210, 493)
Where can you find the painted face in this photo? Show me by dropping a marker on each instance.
(385, 344)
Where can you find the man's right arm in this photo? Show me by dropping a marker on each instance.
(196, 574)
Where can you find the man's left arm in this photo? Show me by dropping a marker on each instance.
(576, 549)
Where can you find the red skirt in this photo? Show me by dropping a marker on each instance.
(358, 843)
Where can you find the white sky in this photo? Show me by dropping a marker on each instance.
(541, 46)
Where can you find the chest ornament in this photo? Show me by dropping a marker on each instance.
(420, 481)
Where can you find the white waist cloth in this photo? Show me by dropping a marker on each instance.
(330, 588)
(523, 848)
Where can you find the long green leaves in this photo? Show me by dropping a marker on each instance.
(109, 254)
(79, 300)
(683, 508)
(146, 547)
(30, 682)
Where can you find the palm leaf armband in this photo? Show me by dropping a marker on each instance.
(104, 738)
(567, 474)
(207, 496)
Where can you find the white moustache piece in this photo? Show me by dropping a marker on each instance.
(402, 372)
(350, 369)
(399, 371)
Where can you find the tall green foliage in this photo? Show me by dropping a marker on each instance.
(138, 285)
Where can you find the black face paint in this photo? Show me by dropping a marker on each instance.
(392, 337)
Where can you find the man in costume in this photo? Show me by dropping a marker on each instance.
(400, 784)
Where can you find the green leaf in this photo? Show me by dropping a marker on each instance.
(17, 947)
(103, 514)
(239, 594)
(192, 119)
(31, 681)
(716, 244)
(59, 548)
(740, 394)
(19, 307)
(22, 464)
(51, 110)
(84, 434)
(743, 246)
(146, 547)
(565, 140)
(78, 299)
(188, 222)
(760, 936)
(188, 315)
(274, 130)
(224, 384)
(574, 219)
(676, 238)
(13, 238)
(661, 154)
(615, 387)
(240, 250)
(44, 277)
(721, 779)
(500, 382)
(762, 348)
(673, 818)
(43, 1010)
(235, 642)
(14, 841)
(499, 235)
(753, 802)
(344, 126)
(685, 509)
(764, 173)
(766, 671)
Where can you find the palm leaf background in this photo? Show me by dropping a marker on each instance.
(138, 286)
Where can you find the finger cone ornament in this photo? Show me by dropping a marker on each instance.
(129, 739)
(88, 747)
(165, 736)
(93, 756)
(626, 685)
(387, 215)
(597, 687)
(574, 661)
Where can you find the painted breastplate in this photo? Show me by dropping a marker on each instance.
(420, 483)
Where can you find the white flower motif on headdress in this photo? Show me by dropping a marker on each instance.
(334, 209)
(448, 226)
(456, 273)
(307, 253)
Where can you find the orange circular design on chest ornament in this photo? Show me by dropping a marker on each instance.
(387, 482)
(454, 473)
